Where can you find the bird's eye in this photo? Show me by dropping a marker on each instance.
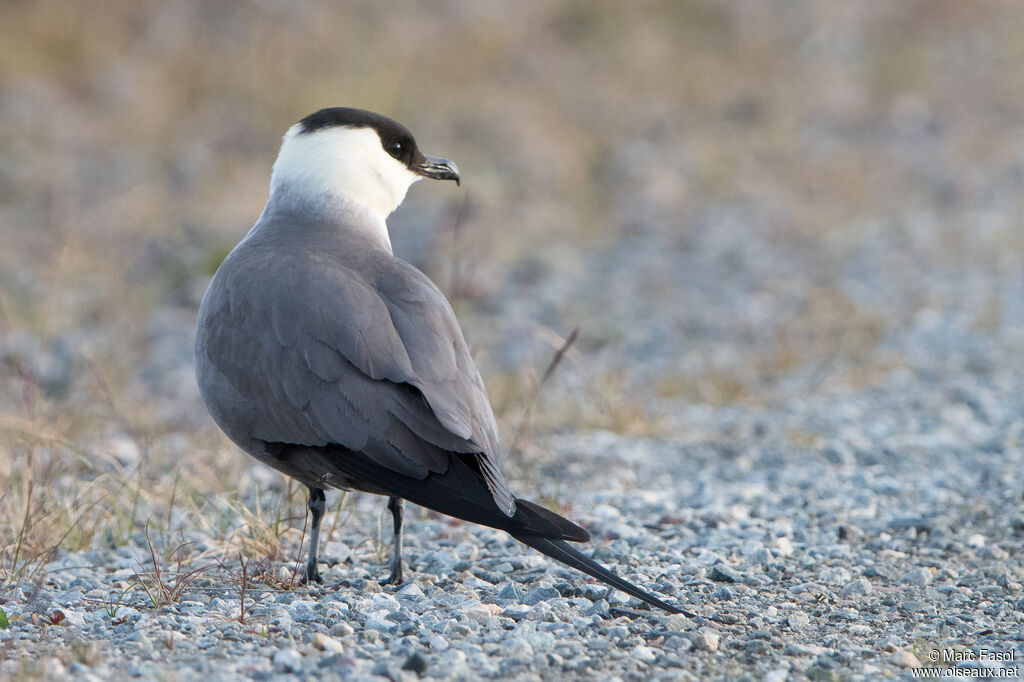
(395, 149)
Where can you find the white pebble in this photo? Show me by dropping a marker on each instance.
(783, 546)
(919, 577)
(327, 643)
(858, 586)
(905, 659)
(798, 620)
(705, 639)
(288, 660)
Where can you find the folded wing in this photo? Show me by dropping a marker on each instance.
(364, 354)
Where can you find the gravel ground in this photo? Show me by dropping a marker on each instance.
(796, 405)
(839, 532)
(895, 535)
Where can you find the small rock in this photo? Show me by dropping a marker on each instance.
(783, 546)
(889, 643)
(512, 592)
(993, 551)
(416, 664)
(705, 639)
(385, 670)
(540, 594)
(452, 659)
(849, 533)
(724, 573)
(438, 643)
(327, 643)
(906, 523)
(905, 659)
(804, 650)
(834, 575)
(342, 629)
(410, 590)
(288, 660)
(516, 611)
(381, 625)
(678, 644)
(723, 594)
(678, 622)
(858, 586)
(644, 654)
(919, 577)
(798, 620)
(1006, 581)
(917, 606)
(618, 597)
(473, 583)
(517, 648)
(976, 540)
(302, 611)
(839, 453)
(491, 577)
(478, 612)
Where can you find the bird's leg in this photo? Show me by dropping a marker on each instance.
(397, 507)
(317, 506)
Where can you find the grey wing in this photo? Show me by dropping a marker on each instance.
(325, 356)
(443, 367)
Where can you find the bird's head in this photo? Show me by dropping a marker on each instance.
(356, 156)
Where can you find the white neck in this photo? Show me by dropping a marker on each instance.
(340, 166)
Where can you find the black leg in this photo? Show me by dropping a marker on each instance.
(397, 507)
(317, 506)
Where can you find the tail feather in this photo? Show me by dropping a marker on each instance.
(530, 516)
(559, 550)
(460, 492)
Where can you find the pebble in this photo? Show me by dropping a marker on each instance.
(794, 521)
(905, 659)
(834, 575)
(783, 546)
(327, 643)
(857, 587)
(540, 594)
(288, 660)
(725, 573)
(798, 620)
(416, 664)
(341, 629)
(705, 639)
(511, 592)
(920, 577)
(723, 594)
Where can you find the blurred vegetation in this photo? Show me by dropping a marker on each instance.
(136, 140)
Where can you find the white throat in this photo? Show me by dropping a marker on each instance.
(339, 166)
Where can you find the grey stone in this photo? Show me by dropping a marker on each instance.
(919, 577)
(540, 594)
(288, 660)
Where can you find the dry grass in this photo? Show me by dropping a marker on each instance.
(136, 140)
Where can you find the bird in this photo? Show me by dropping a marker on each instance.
(323, 355)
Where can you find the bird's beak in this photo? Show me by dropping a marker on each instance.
(438, 169)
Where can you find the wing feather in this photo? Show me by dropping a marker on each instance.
(366, 354)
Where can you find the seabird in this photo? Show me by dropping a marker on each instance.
(323, 355)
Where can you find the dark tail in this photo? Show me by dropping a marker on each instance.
(560, 550)
(461, 492)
